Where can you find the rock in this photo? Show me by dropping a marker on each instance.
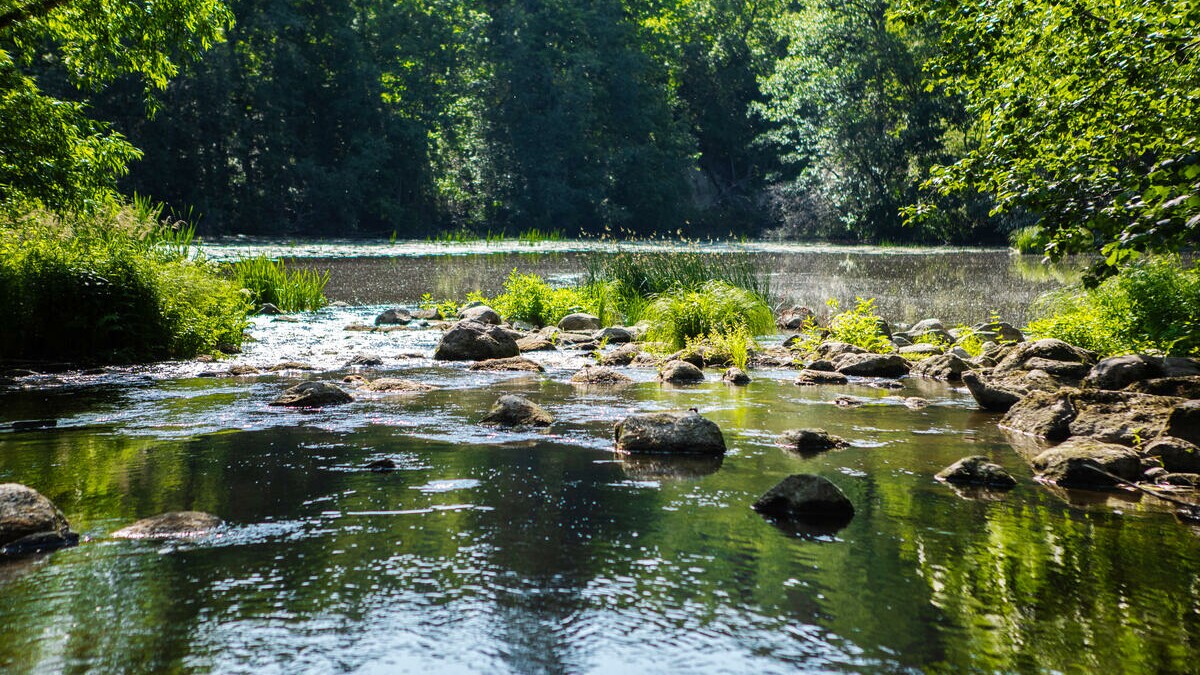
(32, 425)
(621, 356)
(806, 497)
(359, 328)
(600, 376)
(810, 441)
(475, 341)
(809, 377)
(824, 365)
(926, 325)
(1180, 387)
(693, 357)
(1184, 421)
(615, 335)
(685, 433)
(481, 314)
(1174, 454)
(1043, 414)
(901, 341)
(519, 363)
(174, 525)
(283, 318)
(396, 384)
(393, 317)
(535, 343)
(524, 327)
(847, 402)
(29, 522)
(922, 348)
(1180, 366)
(796, 318)
(831, 349)
(735, 376)
(1119, 372)
(959, 352)
(566, 338)
(915, 403)
(312, 395)
(1073, 464)
(269, 309)
(681, 372)
(356, 380)
(1118, 416)
(872, 365)
(1153, 473)
(579, 322)
(385, 464)
(1048, 349)
(365, 361)
(1184, 480)
(1066, 370)
(1001, 393)
(947, 367)
(291, 365)
(977, 470)
(428, 314)
(517, 411)
(241, 370)
(998, 331)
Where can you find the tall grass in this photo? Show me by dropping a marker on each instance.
(527, 297)
(714, 307)
(1151, 306)
(648, 274)
(119, 287)
(1030, 239)
(270, 281)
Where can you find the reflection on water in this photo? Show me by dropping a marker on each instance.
(491, 550)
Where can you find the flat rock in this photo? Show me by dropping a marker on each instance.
(808, 377)
(312, 395)
(681, 372)
(291, 365)
(517, 411)
(518, 363)
(1073, 464)
(810, 441)
(475, 341)
(806, 497)
(872, 365)
(977, 470)
(684, 433)
(30, 522)
(398, 384)
(600, 376)
(173, 525)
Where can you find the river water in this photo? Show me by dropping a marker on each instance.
(543, 552)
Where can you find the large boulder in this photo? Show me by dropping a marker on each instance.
(809, 377)
(579, 322)
(977, 470)
(684, 433)
(29, 522)
(513, 363)
(948, 367)
(1074, 463)
(517, 411)
(481, 314)
(393, 317)
(475, 341)
(1119, 372)
(1184, 421)
(681, 372)
(174, 525)
(312, 395)
(806, 497)
(810, 441)
(1174, 454)
(871, 365)
(1048, 350)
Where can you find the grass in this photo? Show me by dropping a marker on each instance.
(527, 297)
(269, 281)
(530, 237)
(715, 307)
(119, 287)
(1152, 306)
(732, 346)
(1027, 240)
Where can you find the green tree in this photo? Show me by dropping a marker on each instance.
(52, 154)
(1086, 114)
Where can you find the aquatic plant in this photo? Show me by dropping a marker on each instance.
(649, 274)
(527, 297)
(969, 341)
(729, 345)
(1151, 306)
(270, 281)
(115, 287)
(1029, 239)
(859, 326)
(715, 307)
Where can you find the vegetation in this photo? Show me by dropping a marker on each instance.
(1028, 239)
(730, 345)
(714, 308)
(269, 281)
(527, 297)
(113, 288)
(1151, 306)
(859, 326)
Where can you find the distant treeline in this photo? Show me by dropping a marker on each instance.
(364, 117)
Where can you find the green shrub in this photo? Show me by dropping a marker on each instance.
(445, 308)
(858, 326)
(1029, 239)
(1151, 306)
(732, 346)
(716, 307)
(270, 281)
(118, 288)
(969, 340)
(527, 297)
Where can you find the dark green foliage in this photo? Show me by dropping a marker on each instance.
(110, 289)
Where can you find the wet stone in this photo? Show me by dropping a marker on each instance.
(312, 395)
(174, 525)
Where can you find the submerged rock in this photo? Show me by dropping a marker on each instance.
(685, 433)
(579, 322)
(475, 341)
(806, 497)
(516, 411)
(29, 522)
(681, 372)
(513, 363)
(810, 441)
(365, 361)
(735, 376)
(977, 470)
(809, 377)
(291, 365)
(600, 376)
(381, 465)
(398, 384)
(1074, 464)
(174, 525)
(312, 395)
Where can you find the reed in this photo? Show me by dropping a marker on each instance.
(290, 290)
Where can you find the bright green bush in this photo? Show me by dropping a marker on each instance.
(527, 297)
(732, 346)
(118, 288)
(290, 290)
(716, 307)
(859, 326)
(1027, 240)
(1151, 306)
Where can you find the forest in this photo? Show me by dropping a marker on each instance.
(883, 121)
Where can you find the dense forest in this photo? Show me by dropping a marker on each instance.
(849, 120)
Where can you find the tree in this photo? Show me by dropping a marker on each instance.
(1086, 114)
(51, 153)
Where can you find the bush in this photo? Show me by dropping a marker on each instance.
(119, 288)
(1151, 306)
(859, 326)
(732, 346)
(527, 297)
(716, 307)
(270, 281)
(1029, 239)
